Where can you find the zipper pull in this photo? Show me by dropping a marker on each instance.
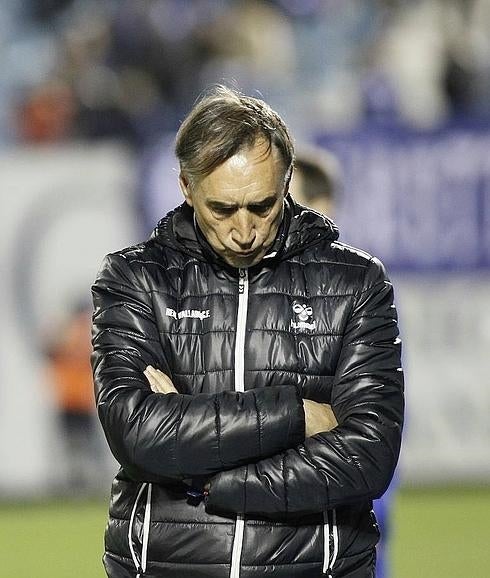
(241, 282)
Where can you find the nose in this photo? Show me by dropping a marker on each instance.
(243, 232)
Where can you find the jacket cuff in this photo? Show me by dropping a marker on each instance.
(227, 492)
(281, 419)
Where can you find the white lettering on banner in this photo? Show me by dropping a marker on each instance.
(187, 313)
(431, 192)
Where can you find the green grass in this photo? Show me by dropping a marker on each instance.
(52, 540)
(437, 534)
(442, 533)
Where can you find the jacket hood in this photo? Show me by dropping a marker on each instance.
(301, 227)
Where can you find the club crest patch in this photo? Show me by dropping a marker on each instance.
(303, 316)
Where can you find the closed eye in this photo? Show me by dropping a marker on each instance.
(260, 209)
(223, 211)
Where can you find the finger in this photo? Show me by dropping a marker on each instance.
(149, 373)
(156, 375)
(154, 383)
(168, 386)
(152, 371)
(159, 374)
(164, 380)
(333, 423)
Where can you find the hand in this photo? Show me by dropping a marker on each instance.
(159, 382)
(319, 417)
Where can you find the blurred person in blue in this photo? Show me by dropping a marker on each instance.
(247, 371)
(316, 184)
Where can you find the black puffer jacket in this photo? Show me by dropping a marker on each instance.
(314, 319)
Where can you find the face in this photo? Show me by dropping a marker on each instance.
(239, 206)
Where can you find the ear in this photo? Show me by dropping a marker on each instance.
(186, 189)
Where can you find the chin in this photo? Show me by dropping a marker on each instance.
(242, 262)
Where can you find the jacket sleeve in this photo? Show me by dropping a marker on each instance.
(356, 460)
(158, 437)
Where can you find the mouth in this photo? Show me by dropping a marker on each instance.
(245, 254)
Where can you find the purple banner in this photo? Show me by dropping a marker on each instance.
(417, 200)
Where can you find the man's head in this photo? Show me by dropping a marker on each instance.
(236, 158)
(316, 180)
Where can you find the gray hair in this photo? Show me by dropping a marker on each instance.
(223, 122)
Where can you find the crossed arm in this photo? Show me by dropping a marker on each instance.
(319, 417)
(166, 438)
(269, 469)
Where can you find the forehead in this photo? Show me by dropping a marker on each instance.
(250, 174)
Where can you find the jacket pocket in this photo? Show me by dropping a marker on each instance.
(358, 529)
(139, 528)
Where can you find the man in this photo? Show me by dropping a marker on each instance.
(221, 347)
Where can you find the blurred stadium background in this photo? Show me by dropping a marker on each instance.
(91, 93)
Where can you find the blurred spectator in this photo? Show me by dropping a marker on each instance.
(411, 52)
(435, 55)
(468, 71)
(330, 39)
(47, 9)
(47, 114)
(132, 68)
(316, 180)
(252, 43)
(69, 372)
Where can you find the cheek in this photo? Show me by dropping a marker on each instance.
(217, 230)
(270, 227)
(266, 230)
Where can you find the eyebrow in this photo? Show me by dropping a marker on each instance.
(214, 203)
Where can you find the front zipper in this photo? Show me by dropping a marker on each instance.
(240, 330)
(240, 386)
(330, 534)
(140, 562)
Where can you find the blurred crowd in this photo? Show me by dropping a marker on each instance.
(91, 69)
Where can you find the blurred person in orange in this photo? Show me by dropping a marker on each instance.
(70, 376)
(47, 114)
(247, 371)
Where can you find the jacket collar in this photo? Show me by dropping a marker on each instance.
(300, 228)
